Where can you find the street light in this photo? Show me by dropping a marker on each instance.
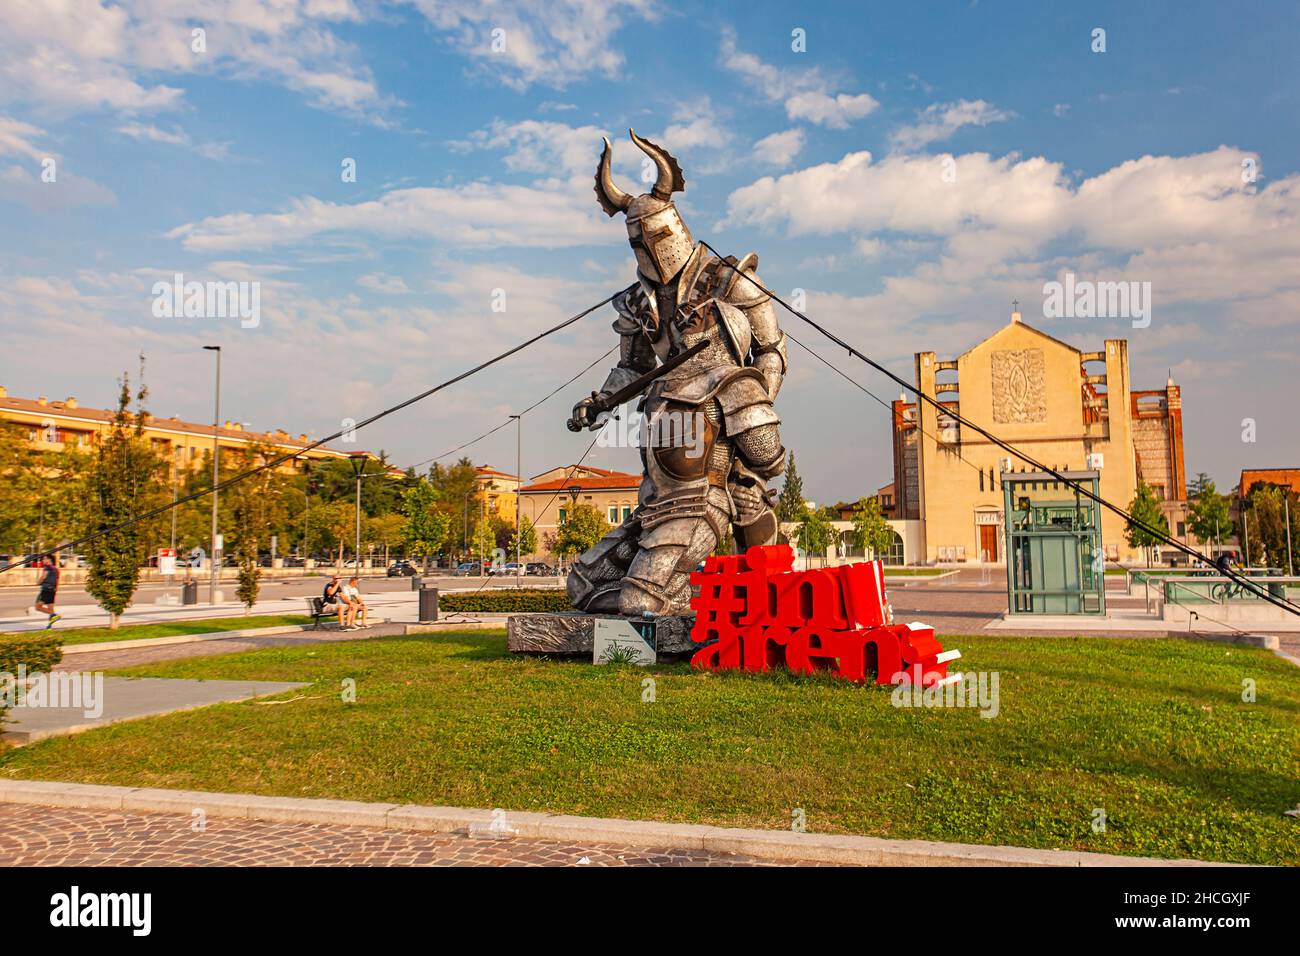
(358, 459)
(464, 548)
(519, 484)
(216, 458)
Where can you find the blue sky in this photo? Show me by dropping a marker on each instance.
(474, 171)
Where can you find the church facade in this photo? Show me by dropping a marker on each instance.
(1069, 409)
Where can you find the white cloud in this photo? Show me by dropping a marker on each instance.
(940, 120)
(478, 214)
(26, 182)
(804, 93)
(779, 149)
(16, 139)
(383, 283)
(90, 54)
(173, 137)
(551, 42)
(1188, 225)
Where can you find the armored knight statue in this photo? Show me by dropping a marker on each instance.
(697, 484)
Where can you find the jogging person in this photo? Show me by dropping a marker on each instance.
(49, 590)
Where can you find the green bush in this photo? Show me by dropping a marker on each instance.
(503, 601)
(38, 653)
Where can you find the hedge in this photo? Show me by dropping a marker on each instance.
(503, 601)
(38, 653)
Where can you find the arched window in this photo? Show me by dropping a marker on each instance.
(895, 554)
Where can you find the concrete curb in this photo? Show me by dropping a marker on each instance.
(762, 844)
(197, 638)
(447, 627)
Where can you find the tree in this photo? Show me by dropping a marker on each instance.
(790, 506)
(252, 503)
(1208, 516)
(332, 525)
(457, 487)
(43, 502)
(1266, 509)
(816, 532)
(383, 531)
(485, 539)
(1146, 509)
(871, 531)
(583, 527)
(1196, 487)
(425, 527)
(125, 480)
(528, 534)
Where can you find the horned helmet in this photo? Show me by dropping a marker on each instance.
(659, 239)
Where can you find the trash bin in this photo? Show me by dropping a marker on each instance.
(428, 605)
(190, 592)
(417, 582)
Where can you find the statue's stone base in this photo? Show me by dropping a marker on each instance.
(574, 633)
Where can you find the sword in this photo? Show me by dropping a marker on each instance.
(600, 404)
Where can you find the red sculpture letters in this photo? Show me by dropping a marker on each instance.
(758, 613)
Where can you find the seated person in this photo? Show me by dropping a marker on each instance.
(332, 600)
(352, 594)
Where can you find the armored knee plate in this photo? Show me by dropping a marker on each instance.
(596, 576)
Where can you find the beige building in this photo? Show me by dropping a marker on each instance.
(548, 498)
(52, 425)
(1067, 408)
(498, 489)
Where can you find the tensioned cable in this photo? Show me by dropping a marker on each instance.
(1244, 581)
(234, 479)
(572, 469)
(493, 431)
(858, 385)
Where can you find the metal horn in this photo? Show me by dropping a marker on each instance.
(612, 199)
(670, 179)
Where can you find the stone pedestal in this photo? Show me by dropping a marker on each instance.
(572, 633)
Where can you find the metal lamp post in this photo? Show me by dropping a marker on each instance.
(464, 527)
(519, 483)
(216, 458)
(358, 460)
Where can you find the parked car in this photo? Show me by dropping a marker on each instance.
(511, 567)
(541, 569)
(294, 561)
(466, 569)
(402, 569)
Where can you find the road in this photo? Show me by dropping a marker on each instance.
(14, 601)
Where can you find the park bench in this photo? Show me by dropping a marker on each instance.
(316, 608)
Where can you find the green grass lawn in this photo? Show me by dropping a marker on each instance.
(1154, 732)
(915, 572)
(135, 632)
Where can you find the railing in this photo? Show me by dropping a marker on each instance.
(1141, 576)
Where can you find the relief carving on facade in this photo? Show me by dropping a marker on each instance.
(1019, 391)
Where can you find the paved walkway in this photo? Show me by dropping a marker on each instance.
(131, 656)
(109, 700)
(55, 836)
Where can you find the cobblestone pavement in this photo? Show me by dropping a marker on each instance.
(54, 836)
